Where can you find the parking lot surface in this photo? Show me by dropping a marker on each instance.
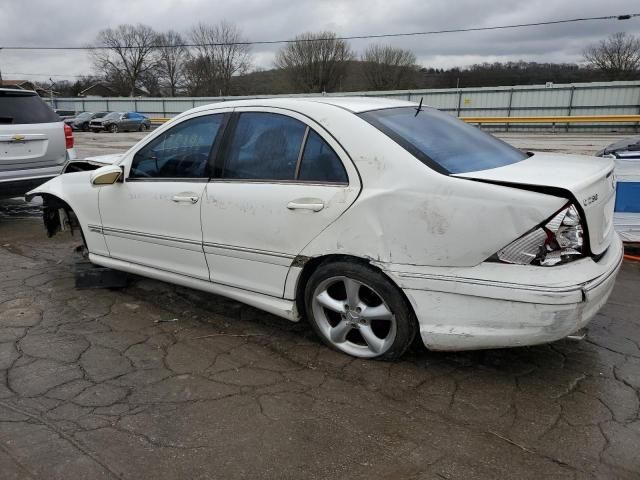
(157, 381)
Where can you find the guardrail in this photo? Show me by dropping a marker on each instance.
(555, 119)
(159, 120)
(552, 120)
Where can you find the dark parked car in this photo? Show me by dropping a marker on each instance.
(121, 122)
(626, 148)
(81, 122)
(65, 114)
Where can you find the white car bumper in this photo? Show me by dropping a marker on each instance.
(496, 305)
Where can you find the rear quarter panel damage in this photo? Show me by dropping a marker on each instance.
(409, 214)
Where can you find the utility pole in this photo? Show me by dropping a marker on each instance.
(0, 70)
(51, 94)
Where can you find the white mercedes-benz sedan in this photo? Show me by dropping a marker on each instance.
(376, 220)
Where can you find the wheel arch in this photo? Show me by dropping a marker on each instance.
(53, 218)
(312, 264)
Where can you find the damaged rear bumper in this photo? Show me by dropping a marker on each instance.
(496, 305)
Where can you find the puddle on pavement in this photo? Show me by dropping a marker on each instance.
(18, 208)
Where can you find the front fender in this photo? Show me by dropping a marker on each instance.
(75, 190)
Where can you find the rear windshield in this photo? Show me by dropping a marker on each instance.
(21, 107)
(443, 142)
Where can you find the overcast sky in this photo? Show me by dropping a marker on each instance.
(76, 23)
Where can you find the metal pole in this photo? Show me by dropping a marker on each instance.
(509, 108)
(459, 102)
(638, 124)
(570, 107)
(164, 108)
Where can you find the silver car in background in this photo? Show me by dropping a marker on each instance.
(34, 142)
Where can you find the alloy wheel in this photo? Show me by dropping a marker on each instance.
(353, 317)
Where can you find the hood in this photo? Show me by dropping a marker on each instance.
(110, 159)
(589, 181)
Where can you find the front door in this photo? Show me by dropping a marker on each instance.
(280, 183)
(153, 217)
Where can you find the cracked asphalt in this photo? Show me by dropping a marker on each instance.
(161, 382)
(157, 381)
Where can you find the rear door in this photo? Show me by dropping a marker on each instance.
(281, 180)
(31, 134)
(153, 217)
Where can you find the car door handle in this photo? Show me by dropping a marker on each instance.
(185, 198)
(313, 204)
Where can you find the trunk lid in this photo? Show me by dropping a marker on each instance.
(587, 180)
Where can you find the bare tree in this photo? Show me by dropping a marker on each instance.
(618, 55)
(315, 62)
(126, 54)
(386, 68)
(171, 62)
(221, 52)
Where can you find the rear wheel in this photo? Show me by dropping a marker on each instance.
(143, 128)
(359, 311)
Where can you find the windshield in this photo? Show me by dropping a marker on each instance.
(83, 115)
(113, 115)
(99, 114)
(442, 141)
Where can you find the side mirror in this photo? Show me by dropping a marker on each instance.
(107, 175)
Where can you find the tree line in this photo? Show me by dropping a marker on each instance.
(216, 60)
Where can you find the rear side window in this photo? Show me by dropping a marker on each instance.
(270, 146)
(265, 146)
(24, 108)
(443, 142)
(320, 163)
(180, 152)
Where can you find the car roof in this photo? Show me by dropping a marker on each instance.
(19, 91)
(352, 104)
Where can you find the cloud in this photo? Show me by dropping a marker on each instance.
(42, 22)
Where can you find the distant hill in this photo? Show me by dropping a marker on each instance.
(482, 75)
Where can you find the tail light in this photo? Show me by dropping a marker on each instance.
(68, 136)
(559, 240)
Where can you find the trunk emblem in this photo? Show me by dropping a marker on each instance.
(18, 138)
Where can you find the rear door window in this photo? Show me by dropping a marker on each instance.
(24, 108)
(265, 146)
(320, 163)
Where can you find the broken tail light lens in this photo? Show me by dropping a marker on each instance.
(559, 240)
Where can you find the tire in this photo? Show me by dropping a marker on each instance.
(143, 128)
(341, 321)
(85, 127)
(113, 128)
(95, 130)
